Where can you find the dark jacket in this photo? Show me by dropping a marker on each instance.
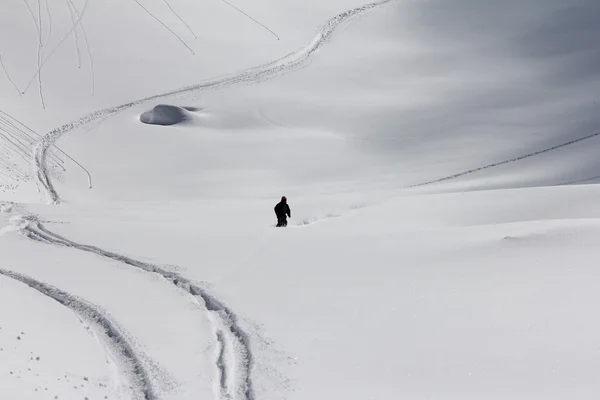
(282, 209)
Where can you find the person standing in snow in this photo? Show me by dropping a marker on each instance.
(282, 209)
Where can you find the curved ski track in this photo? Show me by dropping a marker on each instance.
(111, 333)
(233, 350)
(256, 74)
(18, 141)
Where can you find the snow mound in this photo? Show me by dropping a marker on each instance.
(165, 114)
(217, 118)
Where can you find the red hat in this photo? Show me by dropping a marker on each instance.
(283, 198)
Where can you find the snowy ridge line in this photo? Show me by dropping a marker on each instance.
(497, 164)
(255, 74)
(109, 329)
(234, 352)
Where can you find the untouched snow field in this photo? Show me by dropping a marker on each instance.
(440, 161)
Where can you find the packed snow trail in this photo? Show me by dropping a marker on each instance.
(107, 331)
(255, 74)
(233, 352)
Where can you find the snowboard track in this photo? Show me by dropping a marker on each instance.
(261, 73)
(228, 325)
(112, 333)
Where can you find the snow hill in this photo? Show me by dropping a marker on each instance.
(440, 161)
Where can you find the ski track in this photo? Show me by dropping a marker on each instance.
(44, 46)
(251, 18)
(76, 35)
(65, 37)
(233, 342)
(180, 19)
(9, 77)
(19, 140)
(222, 366)
(171, 31)
(580, 181)
(256, 74)
(37, 27)
(106, 331)
(509, 161)
(313, 220)
(40, 31)
(87, 47)
(49, 24)
(40, 55)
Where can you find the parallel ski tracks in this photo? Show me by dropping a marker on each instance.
(105, 328)
(233, 344)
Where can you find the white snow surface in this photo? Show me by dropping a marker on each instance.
(439, 158)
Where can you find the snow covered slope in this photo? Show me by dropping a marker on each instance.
(439, 245)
